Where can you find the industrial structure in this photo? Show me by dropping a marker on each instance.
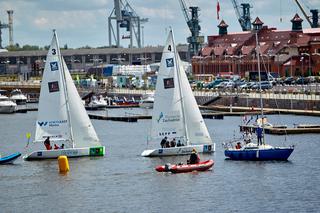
(31, 63)
(123, 16)
(314, 19)
(243, 14)
(195, 40)
(9, 26)
(294, 52)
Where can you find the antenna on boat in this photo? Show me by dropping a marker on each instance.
(260, 90)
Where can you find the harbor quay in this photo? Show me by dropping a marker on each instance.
(291, 97)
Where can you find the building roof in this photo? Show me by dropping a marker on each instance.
(296, 18)
(223, 24)
(98, 51)
(257, 21)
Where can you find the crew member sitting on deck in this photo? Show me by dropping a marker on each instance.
(47, 143)
(247, 136)
(173, 143)
(194, 157)
(56, 146)
(167, 145)
(62, 146)
(238, 146)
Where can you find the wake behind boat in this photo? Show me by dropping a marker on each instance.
(176, 114)
(61, 114)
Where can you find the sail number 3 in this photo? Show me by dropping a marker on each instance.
(54, 52)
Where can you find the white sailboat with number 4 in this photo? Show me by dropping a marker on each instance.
(176, 114)
(61, 114)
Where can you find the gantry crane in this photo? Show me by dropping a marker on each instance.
(315, 15)
(195, 40)
(244, 16)
(125, 17)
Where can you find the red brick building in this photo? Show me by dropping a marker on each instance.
(293, 52)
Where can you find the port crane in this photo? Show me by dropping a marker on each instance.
(195, 40)
(315, 15)
(244, 16)
(124, 16)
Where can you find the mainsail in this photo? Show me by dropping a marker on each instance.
(175, 112)
(61, 114)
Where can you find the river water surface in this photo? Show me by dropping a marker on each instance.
(122, 181)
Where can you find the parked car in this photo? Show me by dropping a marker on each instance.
(214, 83)
(248, 85)
(264, 85)
(288, 80)
(302, 80)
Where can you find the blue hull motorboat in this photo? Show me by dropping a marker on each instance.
(10, 158)
(259, 153)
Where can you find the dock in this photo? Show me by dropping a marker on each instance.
(282, 130)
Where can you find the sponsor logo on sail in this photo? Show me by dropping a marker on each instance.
(160, 116)
(52, 123)
(170, 62)
(54, 66)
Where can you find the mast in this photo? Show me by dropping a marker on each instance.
(177, 64)
(259, 75)
(65, 88)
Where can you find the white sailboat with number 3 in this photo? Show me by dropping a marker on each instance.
(176, 114)
(61, 114)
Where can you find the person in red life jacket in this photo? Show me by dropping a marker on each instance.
(238, 146)
(47, 143)
(194, 157)
(56, 146)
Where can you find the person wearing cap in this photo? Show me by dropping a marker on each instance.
(194, 157)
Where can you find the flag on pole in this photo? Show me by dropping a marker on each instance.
(218, 10)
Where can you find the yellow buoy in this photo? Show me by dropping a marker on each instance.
(63, 164)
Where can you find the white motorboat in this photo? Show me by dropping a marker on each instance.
(97, 103)
(6, 105)
(18, 97)
(147, 101)
(176, 114)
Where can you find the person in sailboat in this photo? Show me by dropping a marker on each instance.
(247, 136)
(238, 146)
(173, 143)
(163, 142)
(47, 143)
(194, 157)
(167, 144)
(56, 146)
(259, 132)
(62, 146)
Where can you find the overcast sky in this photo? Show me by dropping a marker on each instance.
(84, 22)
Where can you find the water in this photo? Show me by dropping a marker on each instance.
(122, 181)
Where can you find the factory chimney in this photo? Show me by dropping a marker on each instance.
(10, 23)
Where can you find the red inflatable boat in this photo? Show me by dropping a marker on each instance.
(181, 168)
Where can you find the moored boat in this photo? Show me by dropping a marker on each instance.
(183, 168)
(247, 150)
(6, 105)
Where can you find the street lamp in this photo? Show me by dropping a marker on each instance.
(310, 70)
(301, 59)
